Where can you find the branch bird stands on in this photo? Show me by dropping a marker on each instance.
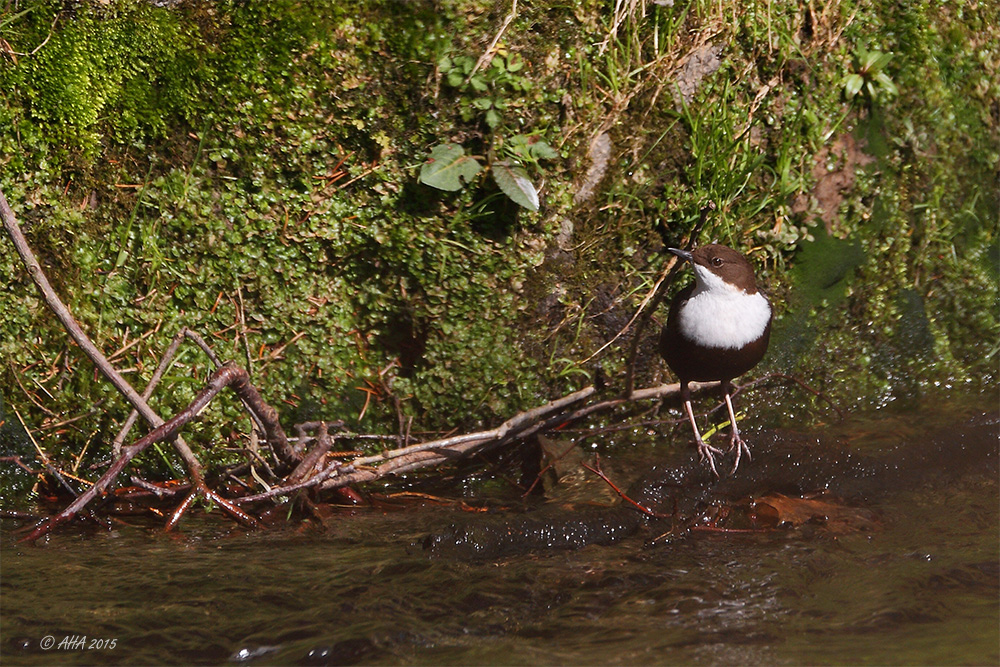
(718, 328)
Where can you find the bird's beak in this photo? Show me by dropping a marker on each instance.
(683, 254)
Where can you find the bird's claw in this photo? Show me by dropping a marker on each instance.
(736, 442)
(706, 452)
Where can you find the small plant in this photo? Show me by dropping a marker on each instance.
(484, 90)
(484, 93)
(449, 168)
(869, 77)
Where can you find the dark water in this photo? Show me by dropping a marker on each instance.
(921, 587)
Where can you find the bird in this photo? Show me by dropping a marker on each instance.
(717, 329)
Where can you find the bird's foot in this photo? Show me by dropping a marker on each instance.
(736, 442)
(706, 452)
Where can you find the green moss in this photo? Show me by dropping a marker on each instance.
(250, 170)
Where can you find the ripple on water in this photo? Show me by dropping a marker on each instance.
(920, 588)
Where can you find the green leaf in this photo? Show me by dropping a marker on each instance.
(853, 84)
(483, 103)
(886, 83)
(876, 61)
(513, 180)
(447, 166)
(542, 151)
(492, 118)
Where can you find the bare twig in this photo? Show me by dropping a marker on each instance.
(231, 376)
(200, 342)
(16, 460)
(596, 469)
(520, 426)
(668, 272)
(157, 490)
(285, 454)
(179, 511)
(116, 444)
(649, 305)
(323, 444)
(491, 49)
(511, 425)
(316, 479)
(76, 332)
(164, 364)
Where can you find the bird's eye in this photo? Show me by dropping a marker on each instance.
(716, 261)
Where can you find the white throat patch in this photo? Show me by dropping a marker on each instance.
(720, 315)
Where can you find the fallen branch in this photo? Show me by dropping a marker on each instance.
(519, 427)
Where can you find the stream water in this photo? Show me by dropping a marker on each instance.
(919, 587)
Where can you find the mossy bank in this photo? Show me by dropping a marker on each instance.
(252, 171)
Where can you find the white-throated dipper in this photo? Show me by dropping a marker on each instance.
(717, 329)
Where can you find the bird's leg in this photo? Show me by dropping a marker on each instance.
(705, 451)
(735, 441)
